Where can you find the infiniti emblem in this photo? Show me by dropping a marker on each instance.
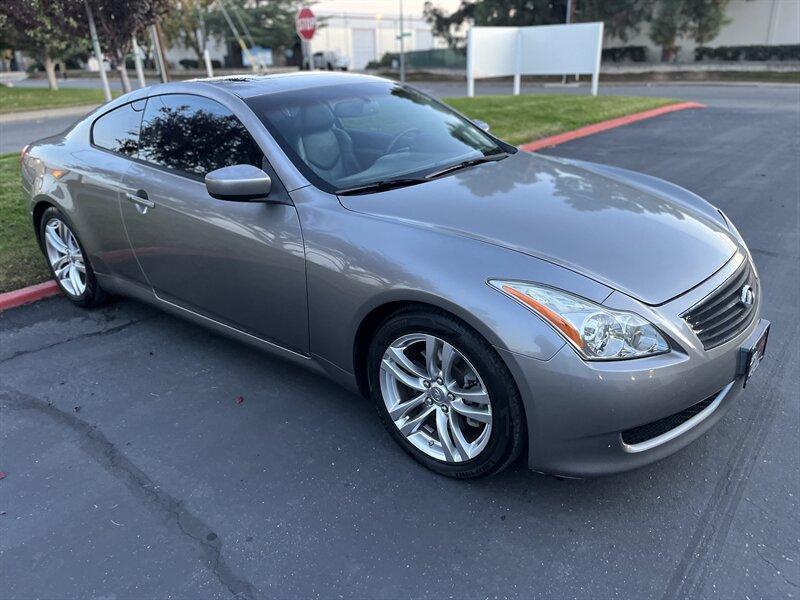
(437, 394)
(747, 296)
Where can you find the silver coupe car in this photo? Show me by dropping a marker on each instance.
(491, 302)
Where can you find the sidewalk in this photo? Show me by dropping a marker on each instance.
(46, 113)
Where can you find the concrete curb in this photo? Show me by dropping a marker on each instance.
(47, 113)
(554, 140)
(50, 288)
(28, 294)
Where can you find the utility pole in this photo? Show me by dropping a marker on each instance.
(97, 52)
(402, 46)
(155, 35)
(250, 58)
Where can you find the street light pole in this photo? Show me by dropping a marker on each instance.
(137, 61)
(568, 21)
(97, 52)
(402, 47)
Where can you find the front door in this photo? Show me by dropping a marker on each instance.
(239, 263)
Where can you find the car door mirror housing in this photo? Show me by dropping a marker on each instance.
(238, 183)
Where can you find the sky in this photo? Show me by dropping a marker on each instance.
(377, 7)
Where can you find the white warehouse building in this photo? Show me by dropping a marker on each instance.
(365, 37)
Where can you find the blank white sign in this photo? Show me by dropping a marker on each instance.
(538, 50)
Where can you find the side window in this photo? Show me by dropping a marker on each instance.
(194, 135)
(118, 130)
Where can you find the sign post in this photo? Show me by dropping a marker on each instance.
(306, 25)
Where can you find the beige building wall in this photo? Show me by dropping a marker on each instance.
(753, 22)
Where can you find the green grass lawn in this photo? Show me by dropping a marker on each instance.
(21, 262)
(15, 99)
(520, 119)
(517, 119)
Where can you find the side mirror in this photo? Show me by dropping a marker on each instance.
(481, 124)
(239, 183)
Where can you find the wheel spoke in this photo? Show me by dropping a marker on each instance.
(55, 242)
(399, 356)
(477, 395)
(62, 272)
(448, 356)
(75, 278)
(461, 443)
(60, 262)
(397, 372)
(63, 233)
(444, 436)
(401, 409)
(431, 344)
(80, 267)
(412, 425)
(481, 414)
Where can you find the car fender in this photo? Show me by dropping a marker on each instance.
(357, 263)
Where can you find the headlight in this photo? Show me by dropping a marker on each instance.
(596, 332)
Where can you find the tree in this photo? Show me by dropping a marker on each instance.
(669, 24)
(621, 17)
(699, 19)
(706, 18)
(185, 24)
(118, 21)
(48, 29)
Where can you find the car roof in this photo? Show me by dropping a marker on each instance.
(249, 85)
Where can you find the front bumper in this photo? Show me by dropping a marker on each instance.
(578, 410)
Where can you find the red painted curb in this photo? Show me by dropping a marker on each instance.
(28, 294)
(554, 140)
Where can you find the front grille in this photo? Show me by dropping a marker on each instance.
(640, 434)
(722, 315)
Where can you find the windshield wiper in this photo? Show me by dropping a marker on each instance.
(467, 163)
(378, 186)
(388, 184)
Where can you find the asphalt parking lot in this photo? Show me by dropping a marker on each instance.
(132, 470)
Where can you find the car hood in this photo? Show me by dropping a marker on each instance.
(649, 244)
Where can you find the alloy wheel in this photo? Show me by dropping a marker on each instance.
(65, 257)
(435, 397)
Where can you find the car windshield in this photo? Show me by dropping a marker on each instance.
(369, 136)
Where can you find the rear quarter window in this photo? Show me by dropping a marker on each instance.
(118, 130)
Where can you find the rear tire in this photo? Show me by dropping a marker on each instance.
(67, 260)
(410, 388)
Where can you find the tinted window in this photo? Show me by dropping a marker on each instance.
(118, 130)
(194, 135)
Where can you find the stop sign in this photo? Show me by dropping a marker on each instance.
(306, 23)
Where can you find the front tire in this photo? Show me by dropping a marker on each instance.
(68, 262)
(444, 394)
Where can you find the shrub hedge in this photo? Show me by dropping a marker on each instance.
(625, 53)
(734, 53)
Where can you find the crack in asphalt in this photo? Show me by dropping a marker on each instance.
(81, 336)
(712, 529)
(98, 447)
(777, 570)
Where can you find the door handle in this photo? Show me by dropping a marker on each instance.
(141, 199)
